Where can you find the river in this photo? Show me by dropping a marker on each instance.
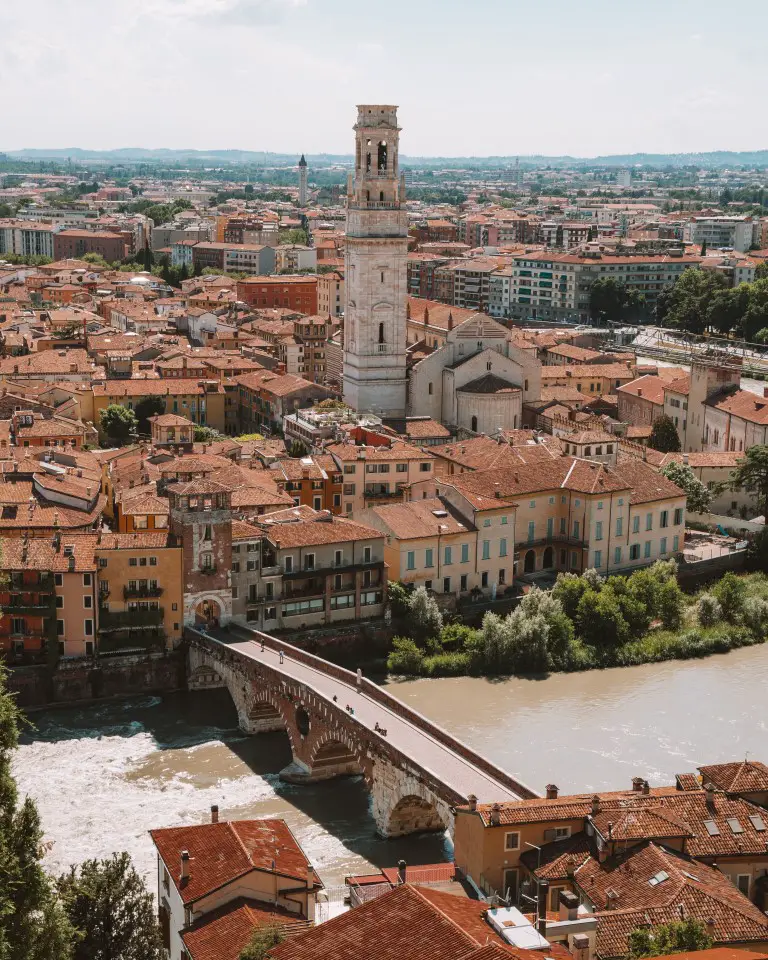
(103, 775)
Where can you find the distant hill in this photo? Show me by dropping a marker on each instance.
(718, 158)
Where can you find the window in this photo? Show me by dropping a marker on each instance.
(599, 530)
(133, 562)
(647, 549)
(576, 528)
(562, 833)
(411, 560)
(59, 628)
(59, 602)
(463, 581)
(88, 628)
(503, 547)
(465, 553)
(86, 579)
(512, 841)
(337, 557)
(289, 564)
(531, 531)
(599, 504)
(635, 524)
(634, 551)
(486, 522)
(448, 556)
(619, 526)
(486, 549)
(428, 561)
(366, 555)
(663, 545)
(88, 603)
(562, 524)
(425, 467)
(678, 516)
(598, 558)
(153, 561)
(664, 519)
(510, 884)
(617, 555)
(649, 521)
(742, 882)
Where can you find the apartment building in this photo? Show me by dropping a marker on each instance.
(499, 292)
(301, 568)
(295, 258)
(374, 475)
(264, 398)
(556, 286)
(312, 333)
(421, 273)
(565, 234)
(26, 238)
(140, 590)
(312, 481)
(592, 379)
(737, 233)
(252, 258)
(472, 283)
(641, 401)
(575, 514)
(295, 292)
(201, 401)
(75, 243)
(28, 622)
(330, 294)
(430, 544)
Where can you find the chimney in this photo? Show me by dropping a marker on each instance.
(569, 905)
(402, 868)
(551, 791)
(580, 950)
(765, 391)
(637, 784)
(595, 805)
(646, 788)
(711, 927)
(310, 876)
(495, 815)
(214, 813)
(709, 789)
(472, 799)
(184, 865)
(541, 910)
(611, 899)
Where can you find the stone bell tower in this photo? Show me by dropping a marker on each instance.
(376, 268)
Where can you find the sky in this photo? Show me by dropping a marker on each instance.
(471, 77)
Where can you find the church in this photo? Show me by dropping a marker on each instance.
(478, 379)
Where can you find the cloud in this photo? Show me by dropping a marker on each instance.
(240, 13)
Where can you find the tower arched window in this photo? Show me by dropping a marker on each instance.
(381, 196)
(474, 424)
(368, 157)
(381, 333)
(382, 156)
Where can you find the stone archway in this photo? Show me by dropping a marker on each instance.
(334, 758)
(205, 678)
(530, 561)
(549, 558)
(208, 612)
(414, 814)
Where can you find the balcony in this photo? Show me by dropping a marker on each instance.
(373, 494)
(131, 644)
(208, 570)
(131, 593)
(17, 606)
(17, 582)
(130, 619)
(332, 568)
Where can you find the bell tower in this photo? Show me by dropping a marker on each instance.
(376, 268)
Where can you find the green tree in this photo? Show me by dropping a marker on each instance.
(148, 407)
(426, 619)
(406, 657)
(751, 474)
(757, 552)
(297, 449)
(704, 249)
(206, 434)
(569, 589)
(399, 599)
(296, 235)
(599, 620)
(96, 259)
(685, 305)
(109, 905)
(708, 610)
(664, 436)
(755, 316)
(670, 605)
(730, 592)
(698, 498)
(118, 423)
(263, 939)
(33, 925)
(679, 936)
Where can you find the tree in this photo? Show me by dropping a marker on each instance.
(664, 436)
(704, 249)
(297, 449)
(406, 657)
(751, 473)
(569, 589)
(670, 605)
(294, 236)
(118, 423)
(33, 925)
(697, 497)
(757, 552)
(148, 407)
(730, 592)
(206, 434)
(676, 937)
(109, 905)
(685, 305)
(425, 614)
(599, 620)
(263, 939)
(708, 610)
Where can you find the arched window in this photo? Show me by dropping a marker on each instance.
(381, 196)
(474, 424)
(381, 333)
(382, 156)
(368, 157)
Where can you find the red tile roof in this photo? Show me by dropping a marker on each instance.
(748, 776)
(222, 934)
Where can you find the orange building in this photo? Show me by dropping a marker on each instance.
(295, 292)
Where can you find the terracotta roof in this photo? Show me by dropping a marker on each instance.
(221, 852)
(613, 371)
(489, 383)
(680, 385)
(745, 776)
(421, 518)
(222, 934)
(744, 404)
(425, 427)
(141, 387)
(322, 529)
(647, 484)
(650, 388)
(400, 450)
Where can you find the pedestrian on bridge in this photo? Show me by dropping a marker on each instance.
(281, 656)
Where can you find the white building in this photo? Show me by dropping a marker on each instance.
(376, 271)
(736, 232)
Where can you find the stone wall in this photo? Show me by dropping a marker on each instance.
(84, 679)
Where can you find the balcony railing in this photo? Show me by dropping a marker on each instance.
(38, 607)
(130, 593)
(369, 494)
(139, 643)
(130, 619)
(330, 568)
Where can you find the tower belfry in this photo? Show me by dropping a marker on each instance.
(376, 268)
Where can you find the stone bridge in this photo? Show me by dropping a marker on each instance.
(341, 724)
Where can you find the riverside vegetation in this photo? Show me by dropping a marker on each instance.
(584, 622)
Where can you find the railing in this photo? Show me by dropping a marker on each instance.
(331, 568)
(382, 494)
(118, 644)
(130, 619)
(130, 593)
(209, 570)
(38, 607)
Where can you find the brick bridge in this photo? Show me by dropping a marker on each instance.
(415, 771)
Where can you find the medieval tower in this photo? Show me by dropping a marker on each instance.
(376, 269)
(302, 182)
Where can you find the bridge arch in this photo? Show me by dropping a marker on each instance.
(414, 814)
(335, 755)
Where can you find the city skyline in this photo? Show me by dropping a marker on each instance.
(493, 80)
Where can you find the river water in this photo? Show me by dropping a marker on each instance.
(104, 775)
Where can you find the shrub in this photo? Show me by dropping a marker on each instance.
(708, 610)
(730, 592)
(569, 589)
(493, 632)
(426, 619)
(446, 665)
(457, 636)
(399, 598)
(754, 614)
(559, 627)
(593, 579)
(405, 658)
(670, 605)
(599, 620)
(526, 642)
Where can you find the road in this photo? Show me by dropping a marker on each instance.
(446, 766)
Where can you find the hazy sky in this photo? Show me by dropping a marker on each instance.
(471, 76)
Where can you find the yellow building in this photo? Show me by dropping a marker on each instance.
(201, 401)
(140, 590)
